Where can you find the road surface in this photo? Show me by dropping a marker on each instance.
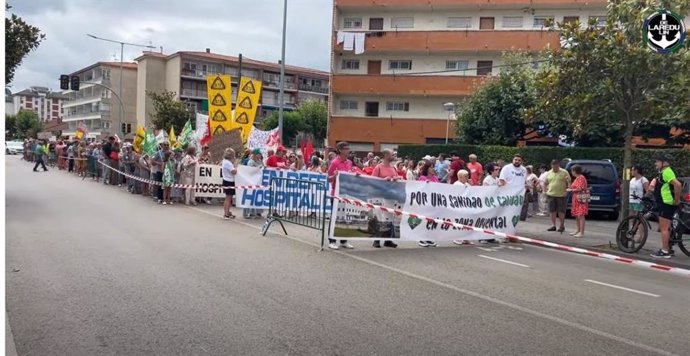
(93, 270)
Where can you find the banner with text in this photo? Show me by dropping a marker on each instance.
(219, 103)
(209, 181)
(293, 196)
(491, 208)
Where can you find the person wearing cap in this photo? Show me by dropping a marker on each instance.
(667, 192)
(340, 163)
(278, 160)
(456, 164)
(256, 161)
(157, 167)
(127, 164)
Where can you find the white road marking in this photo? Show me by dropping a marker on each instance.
(623, 288)
(487, 298)
(504, 261)
(486, 249)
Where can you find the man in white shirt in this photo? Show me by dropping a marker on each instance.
(513, 174)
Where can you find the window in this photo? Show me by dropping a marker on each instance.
(570, 19)
(457, 65)
(376, 24)
(484, 67)
(348, 105)
(512, 21)
(543, 21)
(397, 106)
(599, 21)
(353, 22)
(403, 65)
(402, 22)
(486, 23)
(351, 64)
(459, 22)
(371, 109)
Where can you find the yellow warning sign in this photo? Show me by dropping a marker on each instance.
(218, 100)
(220, 103)
(247, 102)
(217, 83)
(249, 88)
(242, 119)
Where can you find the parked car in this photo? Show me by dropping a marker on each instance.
(14, 147)
(604, 184)
(684, 210)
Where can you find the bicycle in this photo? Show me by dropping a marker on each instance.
(632, 232)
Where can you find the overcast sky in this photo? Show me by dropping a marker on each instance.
(226, 26)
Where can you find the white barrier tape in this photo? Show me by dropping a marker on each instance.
(184, 186)
(630, 261)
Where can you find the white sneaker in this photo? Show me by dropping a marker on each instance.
(423, 244)
(332, 246)
(347, 246)
(459, 242)
(431, 244)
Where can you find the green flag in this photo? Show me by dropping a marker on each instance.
(150, 144)
(186, 135)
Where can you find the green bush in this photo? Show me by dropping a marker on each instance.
(543, 155)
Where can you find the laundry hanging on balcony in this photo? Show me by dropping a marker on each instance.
(359, 42)
(352, 41)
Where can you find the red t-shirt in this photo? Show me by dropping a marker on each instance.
(476, 172)
(455, 166)
(368, 170)
(276, 162)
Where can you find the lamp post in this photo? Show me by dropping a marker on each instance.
(122, 53)
(450, 107)
(281, 96)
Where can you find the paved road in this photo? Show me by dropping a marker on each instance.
(93, 270)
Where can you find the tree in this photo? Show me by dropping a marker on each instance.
(493, 115)
(310, 117)
(10, 127)
(168, 112)
(20, 39)
(606, 76)
(27, 124)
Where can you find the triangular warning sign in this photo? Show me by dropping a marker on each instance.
(218, 100)
(242, 119)
(219, 130)
(219, 116)
(249, 88)
(246, 103)
(218, 84)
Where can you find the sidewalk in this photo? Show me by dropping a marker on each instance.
(599, 236)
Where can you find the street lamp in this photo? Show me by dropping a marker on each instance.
(122, 53)
(281, 96)
(450, 107)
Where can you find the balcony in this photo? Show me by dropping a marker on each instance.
(313, 89)
(90, 115)
(274, 103)
(276, 85)
(385, 130)
(453, 41)
(405, 85)
(436, 4)
(194, 94)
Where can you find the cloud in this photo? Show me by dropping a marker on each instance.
(225, 26)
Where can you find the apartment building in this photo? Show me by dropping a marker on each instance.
(185, 73)
(395, 63)
(94, 104)
(47, 104)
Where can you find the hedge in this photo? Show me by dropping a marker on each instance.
(538, 155)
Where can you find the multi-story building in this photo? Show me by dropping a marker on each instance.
(47, 104)
(410, 57)
(94, 104)
(185, 74)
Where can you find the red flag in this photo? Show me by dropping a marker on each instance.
(207, 137)
(307, 149)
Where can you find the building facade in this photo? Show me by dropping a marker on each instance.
(95, 105)
(47, 104)
(395, 63)
(185, 74)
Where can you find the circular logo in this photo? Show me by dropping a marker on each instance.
(664, 32)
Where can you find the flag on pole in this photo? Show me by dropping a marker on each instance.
(187, 135)
(150, 144)
(172, 138)
(82, 130)
(139, 138)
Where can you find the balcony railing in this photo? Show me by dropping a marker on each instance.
(313, 88)
(272, 84)
(194, 93)
(272, 102)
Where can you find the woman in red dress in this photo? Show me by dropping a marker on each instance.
(580, 207)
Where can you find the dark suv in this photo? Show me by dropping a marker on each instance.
(684, 209)
(604, 184)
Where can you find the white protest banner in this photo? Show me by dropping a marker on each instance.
(490, 208)
(291, 195)
(209, 181)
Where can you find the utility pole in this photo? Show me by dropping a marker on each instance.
(281, 96)
(122, 53)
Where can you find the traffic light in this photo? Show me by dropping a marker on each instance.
(64, 82)
(74, 83)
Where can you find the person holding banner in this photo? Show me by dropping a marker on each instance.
(386, 171)
(492, 171)
(228, 171)
(340, 163)
(255, 160)
(427, 174)
(278, 160)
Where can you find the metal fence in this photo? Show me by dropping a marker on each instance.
(300, 202)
